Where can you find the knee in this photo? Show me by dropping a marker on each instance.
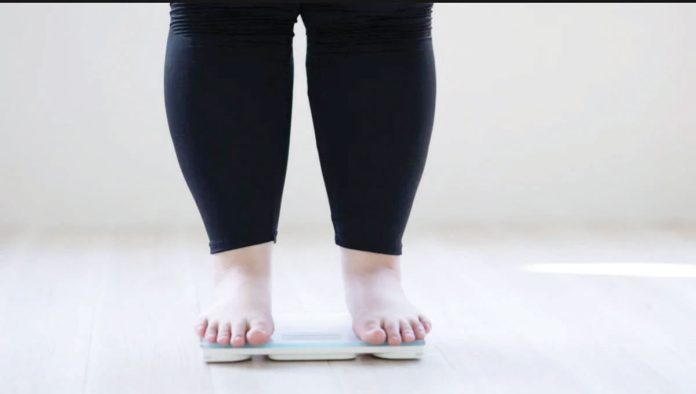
(370, 27)
(253, 23)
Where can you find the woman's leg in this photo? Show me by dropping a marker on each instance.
(228, 93)
(371, 76)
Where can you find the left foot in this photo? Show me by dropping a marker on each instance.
(380, 310)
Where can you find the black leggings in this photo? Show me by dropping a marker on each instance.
(371, 86)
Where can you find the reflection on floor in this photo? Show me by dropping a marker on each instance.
(650, 270)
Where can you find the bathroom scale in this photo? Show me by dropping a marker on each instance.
(299, 337)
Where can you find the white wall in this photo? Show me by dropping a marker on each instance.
(545, 113)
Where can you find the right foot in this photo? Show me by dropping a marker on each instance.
(377, 301)
(241, 312)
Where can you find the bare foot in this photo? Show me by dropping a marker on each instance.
(241, 312)
(376, 300)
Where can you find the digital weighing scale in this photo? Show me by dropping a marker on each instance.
(308, 338)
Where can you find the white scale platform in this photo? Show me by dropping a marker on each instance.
(310, 338)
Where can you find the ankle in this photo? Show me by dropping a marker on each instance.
(252, 260)
(357, 263)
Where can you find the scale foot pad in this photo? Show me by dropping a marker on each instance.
(325, 351)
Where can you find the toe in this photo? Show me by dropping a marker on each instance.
(392, 328)
(211, 332)
(371, 332)
(407, 334)
(426, 323)
(239, 329)
(259, 332)
(224, 332)
(418, 329)
(201, 326)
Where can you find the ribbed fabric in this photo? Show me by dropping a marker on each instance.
(235, 22)
(331, 28)
(369, 27)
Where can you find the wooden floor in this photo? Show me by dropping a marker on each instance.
(513, 312)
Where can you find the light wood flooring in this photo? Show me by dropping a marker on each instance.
(514, 311)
